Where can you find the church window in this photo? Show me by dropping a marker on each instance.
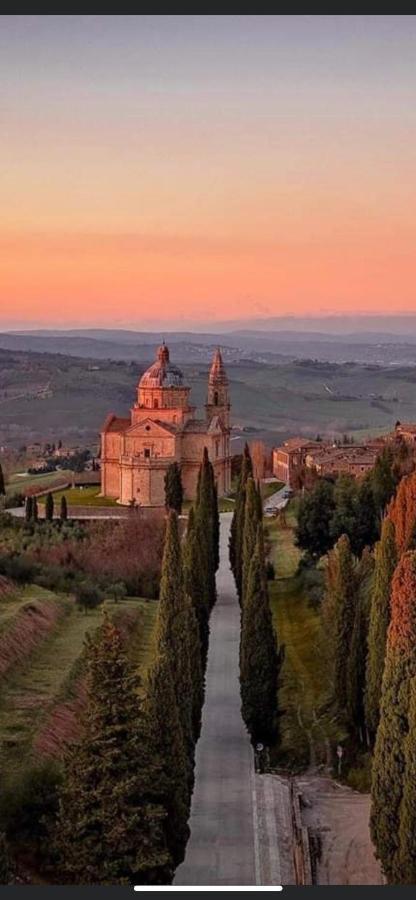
(215, 398)
(155, 403)
(146, 453)
(147, 427)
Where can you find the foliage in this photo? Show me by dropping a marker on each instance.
(5, 864)
(170, 748)
(174, 488)
(389, 764)
(252, 520)
(49, 507)
(64, 509)
(402, 512)
(338, 615)
(385, 562)
(313, 532)
(259, 662)
(356, 661)
(237, 523)
(111, 827)
(87, 595)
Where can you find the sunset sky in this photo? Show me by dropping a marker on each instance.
(199, 168)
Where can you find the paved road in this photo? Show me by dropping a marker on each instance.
(276, 501)
(221, 849)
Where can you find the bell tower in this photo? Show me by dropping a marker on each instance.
(218, 402)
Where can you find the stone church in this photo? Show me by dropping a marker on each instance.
(161, 429)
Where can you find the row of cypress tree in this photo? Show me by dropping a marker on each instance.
(128, 782)
(31, 508)
(392, 711)
(259, 659)
(370, 610)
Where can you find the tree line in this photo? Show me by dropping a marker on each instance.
(259, 658)
(347, 506)
(369, 610)
(124, 803)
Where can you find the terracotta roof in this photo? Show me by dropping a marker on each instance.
(115, 423)
(407, 426)
(297, 443)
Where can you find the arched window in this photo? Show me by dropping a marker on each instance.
(215, 398)
(155, 403)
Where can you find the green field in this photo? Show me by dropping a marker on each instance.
(307, 727)
(18, 483)
(38, 696)
(86, 496)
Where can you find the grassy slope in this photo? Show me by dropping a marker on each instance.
(87, 496)
(306, 725)
(279, 399)
(18, 483)
(29, 695)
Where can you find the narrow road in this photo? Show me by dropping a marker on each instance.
(221, 849)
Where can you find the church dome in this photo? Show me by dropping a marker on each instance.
(162, 374)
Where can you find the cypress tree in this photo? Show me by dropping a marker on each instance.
(237, 522)
(49, 507)
(35, 511)
(64, 509)
(402, 512)
(385, 563)
(356, 662)
(205, 515)
(216, 524)
(389, 752)
(382, 480)
(250, 533)
(195, 584)
(29, 509)
(407, 830)
(169, 746)
(339, 610)
(2, 484)
(5, 865)
(173, 488)
(259, 661)
(171, 631)
(110, 829)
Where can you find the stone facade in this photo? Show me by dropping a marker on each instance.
(137, 451)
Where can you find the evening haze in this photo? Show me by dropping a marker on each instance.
(196, 169)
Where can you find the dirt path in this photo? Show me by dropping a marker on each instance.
(338, 817)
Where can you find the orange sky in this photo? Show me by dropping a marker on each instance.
(206, 168)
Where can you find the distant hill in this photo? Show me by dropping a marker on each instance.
(52, 396)
(260, 346)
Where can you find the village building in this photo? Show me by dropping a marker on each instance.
(161, 429)
(288, 459)
(348, 460)
(405, 431)
(324, 457)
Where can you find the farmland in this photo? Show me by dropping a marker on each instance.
(42, 689)
(269, 401)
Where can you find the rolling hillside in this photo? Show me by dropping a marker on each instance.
(52, 396)
(42, 671)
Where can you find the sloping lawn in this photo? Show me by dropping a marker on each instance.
(86, 496)
(40, 688)
(307, 725)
